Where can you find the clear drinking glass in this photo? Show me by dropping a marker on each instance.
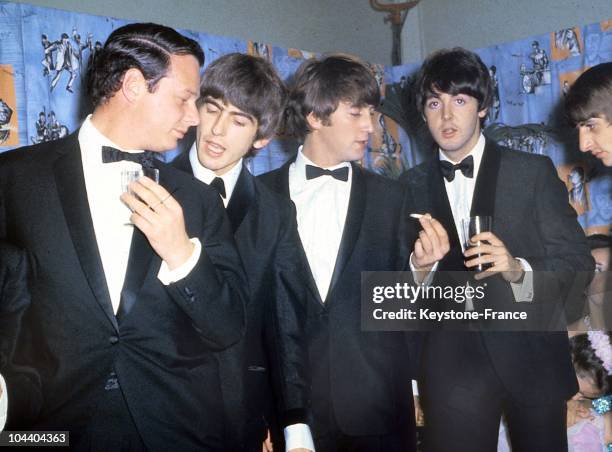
(472, 226)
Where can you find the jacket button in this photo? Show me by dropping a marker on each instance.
(113, 340)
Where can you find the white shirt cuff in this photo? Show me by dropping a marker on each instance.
(429, 278)
(3, 403)
(167, 276)
(523, 291)
(415, 388)
(298, 436)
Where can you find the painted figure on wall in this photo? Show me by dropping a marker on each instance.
(568, 39)
(539, 73)
(64, 55)
(495, 105)
(6, 113)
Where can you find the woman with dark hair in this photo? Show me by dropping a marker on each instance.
(589, 420)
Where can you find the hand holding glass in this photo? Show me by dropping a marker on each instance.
(471, 227)
(132, 175)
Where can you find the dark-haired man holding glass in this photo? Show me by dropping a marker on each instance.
(128, 305)
(469, 379)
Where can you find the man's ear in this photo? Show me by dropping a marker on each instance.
(314, 123)
(482, 113)
(261, 143)
(133, 85)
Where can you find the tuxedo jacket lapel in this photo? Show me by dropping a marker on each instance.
(352, 225)
(141, 258)
(73, 197)
(139, 262)
(282, 181)
(182, 162)
(242, 198)
(483, 201)
(281, 185)
(441, 210)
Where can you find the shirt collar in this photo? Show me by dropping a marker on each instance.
(206, 175)
(476, 153)
(301, 161)
(91, 141)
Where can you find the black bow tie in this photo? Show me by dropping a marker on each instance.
(110, 155)
(466, 166)
(218, 184)
(313, 172)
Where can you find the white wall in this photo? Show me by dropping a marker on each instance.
(351, 25)
(482, 23)
(317, 25)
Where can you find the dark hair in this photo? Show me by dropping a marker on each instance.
(249, 83)
(144, 46)
(454, 71)
(591, 95)
(596, 241)
(588, 364)
(319, 85)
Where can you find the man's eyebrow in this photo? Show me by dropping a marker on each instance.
(244, 115)
(210, 100)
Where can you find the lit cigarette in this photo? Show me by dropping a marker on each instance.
(416, 215)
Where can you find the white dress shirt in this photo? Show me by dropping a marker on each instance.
(460, 192)
(206, 175)
(111, 223)
(321, 204)
(296, 435)
(111, 217)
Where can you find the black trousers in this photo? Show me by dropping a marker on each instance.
(463, 400)
(402, 440)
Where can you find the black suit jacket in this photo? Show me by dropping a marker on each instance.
(23, 384)
(532, 217)
(269, 363)
(160, 344)
(363, 377)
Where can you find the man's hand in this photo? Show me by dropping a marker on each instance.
(267, 444)
(431, 246)
(418, 412)
(492, 251)
(160, 218)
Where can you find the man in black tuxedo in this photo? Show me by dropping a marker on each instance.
(470, 378)
(23, 383)
(128, 305)
(349, 221)
(241, 103)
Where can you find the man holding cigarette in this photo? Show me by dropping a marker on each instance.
(470, 378)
